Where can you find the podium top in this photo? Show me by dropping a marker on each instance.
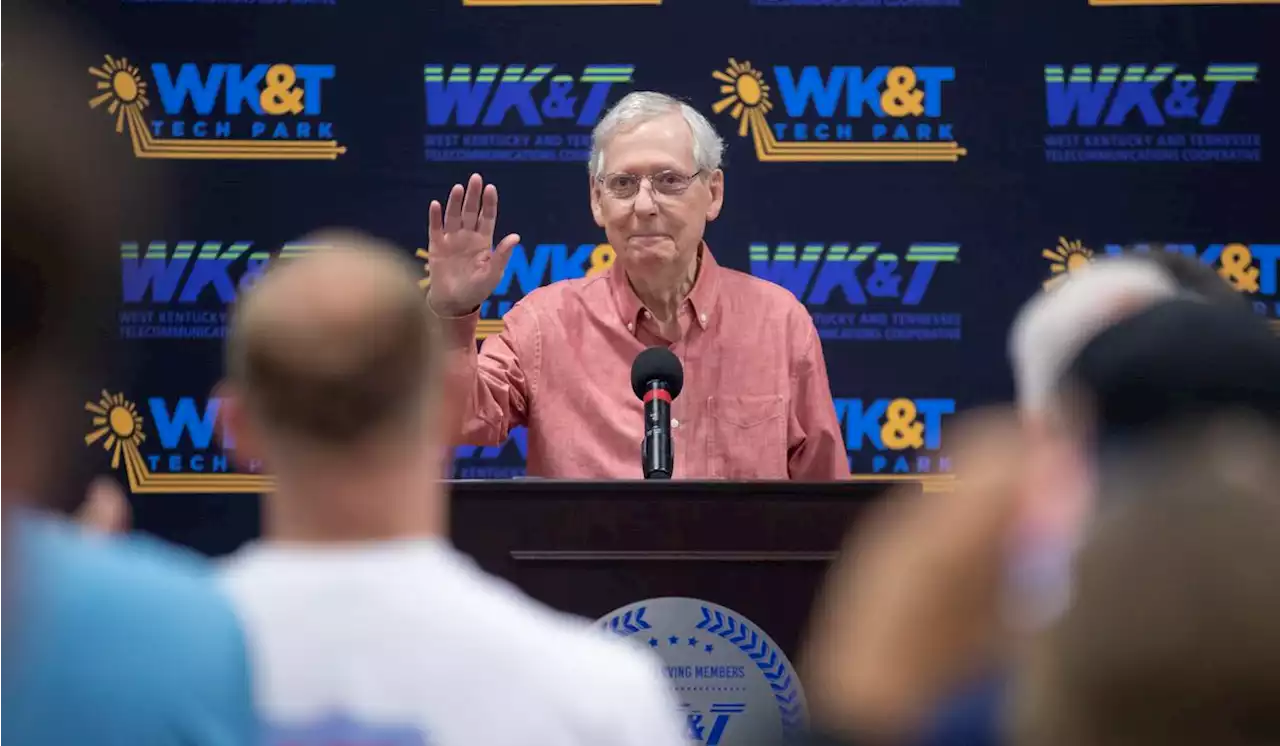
(677, 489)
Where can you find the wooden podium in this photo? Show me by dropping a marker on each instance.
(589, 547)
(759, 548)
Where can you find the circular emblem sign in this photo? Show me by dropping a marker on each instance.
(735, 685)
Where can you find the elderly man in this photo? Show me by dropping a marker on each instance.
(755, 404)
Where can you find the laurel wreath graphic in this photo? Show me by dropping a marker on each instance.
(747, 639)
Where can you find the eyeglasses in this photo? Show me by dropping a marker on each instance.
(626, 186)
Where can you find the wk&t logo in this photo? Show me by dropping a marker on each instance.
(182, 290)
(880, 296)
(1146, 114)
(896, 438)
(221, 111)
(515, 113)
(841, 114)
(190, 464)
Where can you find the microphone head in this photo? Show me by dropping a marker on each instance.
(657, 364)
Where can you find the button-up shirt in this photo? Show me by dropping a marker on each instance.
(756, 403)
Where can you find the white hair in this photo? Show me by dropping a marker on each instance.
(1052, 327)
(639, 107)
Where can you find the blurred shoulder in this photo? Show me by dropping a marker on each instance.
(602, 683)
(546, 644)
(128, 582)
(121, 639)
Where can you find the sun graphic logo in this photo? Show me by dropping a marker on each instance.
(125, 90)
(843, 114)
(1065, 258)
(747, 94)
(117, 425)
(269, 112)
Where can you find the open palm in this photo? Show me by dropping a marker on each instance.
(462, 263)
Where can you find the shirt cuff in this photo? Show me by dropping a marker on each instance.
(459, 331)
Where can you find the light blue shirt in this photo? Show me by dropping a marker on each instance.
(115, 640)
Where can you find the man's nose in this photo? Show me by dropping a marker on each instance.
(644, 203)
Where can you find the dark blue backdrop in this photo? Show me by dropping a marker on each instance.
(913, 268)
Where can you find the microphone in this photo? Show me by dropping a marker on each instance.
(656, 379)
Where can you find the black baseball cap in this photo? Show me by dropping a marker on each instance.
(1174, 362)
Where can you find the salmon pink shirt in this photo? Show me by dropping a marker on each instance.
(756, 403)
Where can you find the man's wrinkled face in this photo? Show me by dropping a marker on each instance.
(651, 201)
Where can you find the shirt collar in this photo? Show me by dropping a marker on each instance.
(701, 297)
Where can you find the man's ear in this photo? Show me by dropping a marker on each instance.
(597, 210)
(236, 430)
(716, 184)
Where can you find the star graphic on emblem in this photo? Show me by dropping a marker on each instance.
(653, 642)
(673, 640)
(693, 642)
(709, 648)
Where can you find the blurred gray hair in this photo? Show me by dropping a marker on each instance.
(1052, 327)
(639, 107)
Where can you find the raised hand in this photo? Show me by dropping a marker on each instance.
(462, 263)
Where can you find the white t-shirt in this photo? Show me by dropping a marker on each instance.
(409, 643)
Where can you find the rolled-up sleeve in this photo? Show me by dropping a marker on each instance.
(817, 451)
(492, 384)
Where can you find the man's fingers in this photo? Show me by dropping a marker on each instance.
(471, 204)
(453, 210)
(435, 224)
(488, 211)
(106, 509)
(505, 246)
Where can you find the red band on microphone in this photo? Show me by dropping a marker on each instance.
(652, 394)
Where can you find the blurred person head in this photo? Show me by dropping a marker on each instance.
(1176, 362)
(1152, 348)
(71, 195)
(1173, 634)
(1192, 275)
(1047, 335)
(1055, 324)
(334, 383)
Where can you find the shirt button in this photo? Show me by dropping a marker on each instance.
(675, 423)
(703, 317)
(644, 312)
(631, 327)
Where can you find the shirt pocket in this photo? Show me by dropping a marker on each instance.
(748, 436)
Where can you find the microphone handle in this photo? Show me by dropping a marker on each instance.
(656, 454)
